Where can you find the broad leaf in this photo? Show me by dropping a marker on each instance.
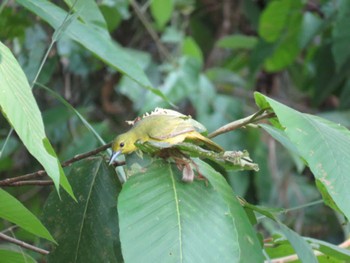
(12, 210)
(324, 145)
(18, 105)
(86, 231)
(164, 219)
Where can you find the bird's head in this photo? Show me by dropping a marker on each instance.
(122, 144)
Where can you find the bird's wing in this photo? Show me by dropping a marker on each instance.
(167, 127)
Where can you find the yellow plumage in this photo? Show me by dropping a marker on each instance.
(162, 126)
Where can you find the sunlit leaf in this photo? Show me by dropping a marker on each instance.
(12, 210)
(18, 105)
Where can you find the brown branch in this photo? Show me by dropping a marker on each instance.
(23, 244)
(258, 116)
(31, 182)
(41, 173)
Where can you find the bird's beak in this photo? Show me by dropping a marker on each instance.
(114, 156)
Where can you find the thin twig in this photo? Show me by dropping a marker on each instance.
(258, 116)
(9, 229)
(162, 50)
(31, 182)
(23, 244)
(40, 173)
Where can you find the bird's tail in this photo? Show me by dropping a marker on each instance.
(202, 140)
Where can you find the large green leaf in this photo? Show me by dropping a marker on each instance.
(95, 41)
(12, 210)
(324, 145)
(21, 110)
(86, 231)
(15, 257)
(162, 219)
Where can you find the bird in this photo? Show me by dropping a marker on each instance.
(162, 125)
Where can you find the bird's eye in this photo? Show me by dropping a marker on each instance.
(121, 144)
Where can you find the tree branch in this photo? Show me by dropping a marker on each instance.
(258, 116)
(23, 244)
(41, 173)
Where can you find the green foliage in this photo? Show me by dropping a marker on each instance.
(12, 210)
(181, 217)
(161, 11)
(21, 110)
(87, 230)
(313, 137)
(99, 63)
(16, 257)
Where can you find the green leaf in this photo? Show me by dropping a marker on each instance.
(15, 257)
(21, 110)
(237, 42)
(288, 46)
(329, 249)
(100, 44)
(162, 218)
(273, 20)
(161, 11)
(86, 231)
(324, 145)
(12, 210)
(341, 36)
(301, 247)
(190, 48)
(90, 14)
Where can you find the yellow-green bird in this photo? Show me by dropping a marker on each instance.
(162, 125)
